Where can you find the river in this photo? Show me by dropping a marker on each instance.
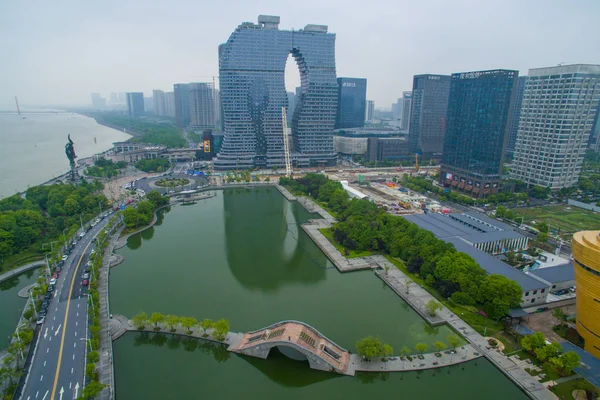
(33, 149)
(243, 256)
(11, 305)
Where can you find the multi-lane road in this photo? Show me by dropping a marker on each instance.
(58, 367)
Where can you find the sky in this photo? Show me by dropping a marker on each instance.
(58, 52)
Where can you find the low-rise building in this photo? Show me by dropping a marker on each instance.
(387, 149)
(560, 277)
(132, 152)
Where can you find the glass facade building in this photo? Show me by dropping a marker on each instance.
(428, 114)
(251, 68)
(135, 104)
(557, 117)
(182, 104)
(477, 124)
(515, 116)
(352, 103)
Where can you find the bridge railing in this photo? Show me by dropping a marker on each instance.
(301, 323)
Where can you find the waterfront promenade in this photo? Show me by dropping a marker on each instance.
(22, 268)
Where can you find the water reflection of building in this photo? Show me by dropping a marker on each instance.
(266, 248)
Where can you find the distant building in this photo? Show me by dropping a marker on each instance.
(148, 105)
(135, 104)
(370, 111)
(132, 152)
(557, 117)
(515, 116)
(291, 107)
(182, 104)
(158, 96)
(476, 130)
(170, 104)
(98, 102)
(352, 103)
(397, 109)
(586, 255)
(595, 135)
(203, 105)
(429, 107)
(251, 70)
(353, 141)
(114, 98)
(387, 149)
(405, 114)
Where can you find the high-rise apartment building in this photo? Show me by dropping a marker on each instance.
(370, 111)
(291, 107)
(515, 116)
(405, 113)
(352, 103)
(586, 261)
(428, 114)
(251, 70)
(477, 122)
(158, 97)
(98, 102)
(182, 104)
(135, 104)
(557, 116)
(203, 105)
(170, 104)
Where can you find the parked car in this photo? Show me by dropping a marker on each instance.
(85, 282)
(60, 263)
(64, 258)
(41, 319)
(50, 288)
(52, 281)
(86, 276)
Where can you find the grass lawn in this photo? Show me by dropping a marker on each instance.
(16, 260)
(477, 321)
(565, 390)
(509, 344)
(568, 219)
(327, 232)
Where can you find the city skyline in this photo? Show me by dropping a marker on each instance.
(55, 64)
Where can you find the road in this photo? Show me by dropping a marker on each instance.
(58, 367)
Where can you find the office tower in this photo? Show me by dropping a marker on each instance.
(370, 111)
(159, 102)
(397, 109)
(291, 107)
(251, 70)
(405, 113)
(476, 130)
(98, 102)
(114, 98)
(135, 104)
(148, 105)
(595, 135)
(170, 104)
(428, 114)
(586, 262)
(557, 116)
(352, 103)
(515, 116)
(203, 105)
(182, 104)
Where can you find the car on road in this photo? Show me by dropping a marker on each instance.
(74, 242)
(60, 263)
(50, 288)
(41, 319)
(93, 224)
(86, 276)
(85, 282)
(53, 281)
(64, 258)
(55, 276)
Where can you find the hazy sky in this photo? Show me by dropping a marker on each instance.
(57, 52)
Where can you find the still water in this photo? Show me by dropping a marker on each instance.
(32, 150)
(11, 305)
(242, 255)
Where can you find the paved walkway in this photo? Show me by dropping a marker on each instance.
(24, 293)
(519, 376)
(22, 268)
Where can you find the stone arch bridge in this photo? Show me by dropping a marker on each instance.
(298, 341)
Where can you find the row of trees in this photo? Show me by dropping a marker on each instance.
(239, 176)
(104, 168)
(153, 165)
(218, 329)
(44, 212)
(365, 226)
(141, 215)
(552, 353)
(372, 347)
(151, 132)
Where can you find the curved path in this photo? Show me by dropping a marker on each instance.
(22, 268)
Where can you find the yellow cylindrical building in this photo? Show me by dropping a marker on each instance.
(586, 254)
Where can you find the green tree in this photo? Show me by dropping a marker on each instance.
(567, 361)
(405, 351)
(139, 320)
(387, 350)
(453, 340)
(90, 370)
(131, 217)
(92, 389)
(421, 347)
(93, 356)
(188, 322)
(542, 237)
(500, 211)
(220, 329)
(156, 318)
(548, 351)
(543, 227)
(533, 341)
(172, 321)
(439, 346)
(432, 306)
(498, 295)
(369, 347)
(206, 325)
(560, 315)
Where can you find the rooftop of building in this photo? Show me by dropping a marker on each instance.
(589, 239)
(566, 69)
(473, 227)
(556, 274)
(367, 132)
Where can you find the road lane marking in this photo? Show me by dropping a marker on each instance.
(48, 349)
(78, 314)
(76, 323)
(44, 363)
(62, 340)
(75, 333)
(36, 394)
(57, 330)
(73, 359)
(44, 398)
(41, 377)
(71, 370)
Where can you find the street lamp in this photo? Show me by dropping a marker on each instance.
(88, 342)
(19, 338)
(81, 222)
(64, 238)
(48, 265)
(33, 302)
(100, 207)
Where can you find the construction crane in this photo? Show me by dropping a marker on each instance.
(286, 147)
(18, 109)
(416, 162)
